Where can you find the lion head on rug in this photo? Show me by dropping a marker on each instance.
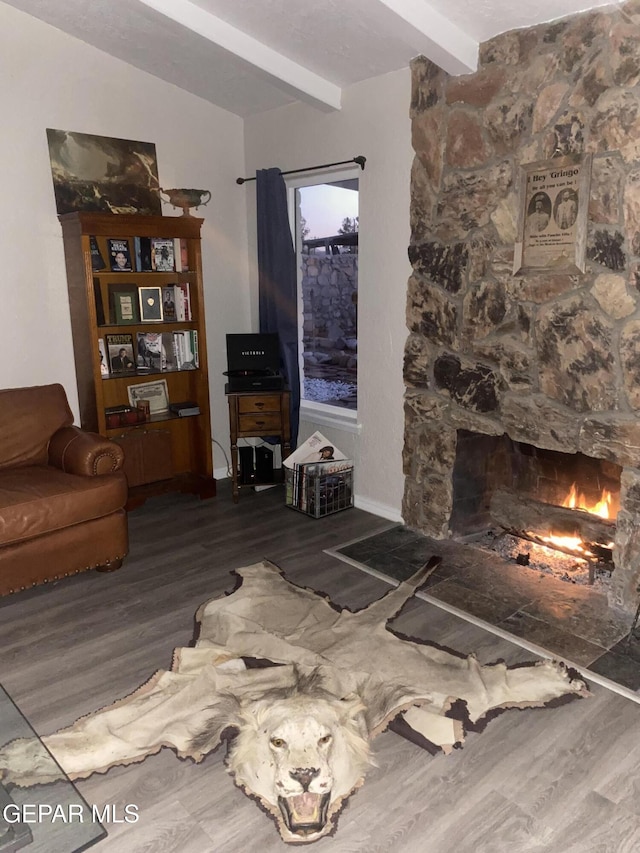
(301, 751)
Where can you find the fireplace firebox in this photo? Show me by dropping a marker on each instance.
(556, 511)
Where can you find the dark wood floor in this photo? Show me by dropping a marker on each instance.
(553, 780)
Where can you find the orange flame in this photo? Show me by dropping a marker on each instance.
(578, 501)
(575, 500)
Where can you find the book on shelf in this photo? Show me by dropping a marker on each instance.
(120, 353)
(97, 261)
(104, 361)
(186, 409)
(183, 301)
(181, 253)
(97, 296)
(142, 249)
(119, 255)
(163, 254)
(149, 350)
(169, 314)
(194, 347)
(176, 299)
(186, 349)
(157, 351)
(169, 358)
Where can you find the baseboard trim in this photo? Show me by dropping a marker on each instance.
(375, 508)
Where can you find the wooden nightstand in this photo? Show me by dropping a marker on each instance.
(258, 414)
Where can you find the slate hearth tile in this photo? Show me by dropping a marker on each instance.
(486, 571)
(417, 553)
(384, 542)
(619, 668)
(628, 647)
(584, 612)
(361, 551)
(390, 565)
(395, 537)
(492, 609)
(556, 641)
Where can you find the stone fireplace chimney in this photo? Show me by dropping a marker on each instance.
(551, 360)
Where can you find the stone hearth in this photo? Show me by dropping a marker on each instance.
(550, 360)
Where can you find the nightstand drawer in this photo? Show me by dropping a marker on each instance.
(259, 403)
(257, 422)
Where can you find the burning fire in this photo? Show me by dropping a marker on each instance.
(575, 500)
(578, 501)
(571, 543)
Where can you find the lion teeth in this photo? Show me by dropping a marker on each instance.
(304, 807)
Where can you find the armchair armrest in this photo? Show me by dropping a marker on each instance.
(88, 454)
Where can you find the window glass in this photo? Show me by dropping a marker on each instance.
(327, 223)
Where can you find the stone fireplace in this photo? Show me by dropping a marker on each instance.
(545, 366)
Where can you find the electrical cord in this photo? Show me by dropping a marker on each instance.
(245, 444)
(226, 458)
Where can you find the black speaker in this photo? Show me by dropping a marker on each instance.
(264, 464)
(247, 471)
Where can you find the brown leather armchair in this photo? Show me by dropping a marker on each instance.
(62, 492)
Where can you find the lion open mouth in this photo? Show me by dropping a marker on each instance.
(304, 813)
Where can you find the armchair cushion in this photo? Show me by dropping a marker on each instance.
(62, 492)
(28, 419)
(40, 499)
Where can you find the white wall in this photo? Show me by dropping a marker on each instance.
(48, 79)
(373, 121)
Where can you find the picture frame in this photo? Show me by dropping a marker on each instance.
(150, 304)
(155, 392)
(124, 302)
(98, 173)
(552, 218)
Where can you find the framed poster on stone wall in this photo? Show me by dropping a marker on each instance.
(552, 221)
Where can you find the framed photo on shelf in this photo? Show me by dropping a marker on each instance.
(552, 219)
(155, 392)
(125, 304)
(120, 353)
(150, 304)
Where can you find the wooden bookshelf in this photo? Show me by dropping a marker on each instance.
(93, 316)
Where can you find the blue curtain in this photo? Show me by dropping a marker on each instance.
(277, 280)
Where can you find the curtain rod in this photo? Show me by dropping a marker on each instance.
(360, 160)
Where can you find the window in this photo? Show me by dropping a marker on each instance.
(326, 228)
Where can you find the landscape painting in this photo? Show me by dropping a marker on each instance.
(103, 174)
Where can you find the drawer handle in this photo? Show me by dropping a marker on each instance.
(260, 423)
(260, 405)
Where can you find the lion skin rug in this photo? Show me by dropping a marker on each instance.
(329, 681)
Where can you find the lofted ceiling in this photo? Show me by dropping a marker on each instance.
(248, 56)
